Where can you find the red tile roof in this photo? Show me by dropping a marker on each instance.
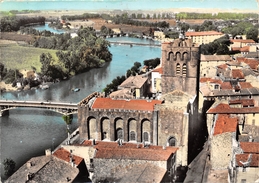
(245, 49)
(253, 63)
(223, 66)
(250, 147)
(235, 48)
(245, 85)
(205, 33)
(226, 86)
(158, 69)
(244, 158)
(111, 150)
(63, 154)
(244, 102)
(237, 73)
(225, 124)
(133, 104)
(210, 80)
(242, 40)
(226, 109)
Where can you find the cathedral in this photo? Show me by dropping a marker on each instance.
(170, 120)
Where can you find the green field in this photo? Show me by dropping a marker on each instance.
(18, 57)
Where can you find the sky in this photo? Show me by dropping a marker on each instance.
(248, 5)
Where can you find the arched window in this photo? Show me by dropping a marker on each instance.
(119, 133)
(172, 141)
(145, 137)
(184, 70)
(132, 135)
(178, 69)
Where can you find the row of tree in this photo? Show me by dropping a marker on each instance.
(243, 28)
(13, 23)
(223, 15)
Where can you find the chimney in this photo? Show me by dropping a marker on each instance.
(29, 164)
(48, 152)
(164, 147)
(71, 159)
(93, 142)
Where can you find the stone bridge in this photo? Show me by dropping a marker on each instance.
(60, 107)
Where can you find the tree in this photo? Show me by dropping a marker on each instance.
(68, 120)
(46, 60)
(252, 34)
(9, 167)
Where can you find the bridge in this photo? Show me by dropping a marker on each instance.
(62, 108)
(131, 44)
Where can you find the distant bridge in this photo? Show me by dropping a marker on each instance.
(131, 44)
(62, 108)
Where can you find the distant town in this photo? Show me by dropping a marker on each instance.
(190, 116)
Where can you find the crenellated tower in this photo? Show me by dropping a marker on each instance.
(180, 63)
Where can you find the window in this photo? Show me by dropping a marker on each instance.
(119, 133)
(178, 69)
(216, 87)
(184, 70)
(172, 141)
(145, 136)
(132, 135)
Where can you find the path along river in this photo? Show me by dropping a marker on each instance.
(26, 133)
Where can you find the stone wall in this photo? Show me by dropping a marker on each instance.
(94, 123)
(221, 150)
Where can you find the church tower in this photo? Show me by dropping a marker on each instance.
(180, 65)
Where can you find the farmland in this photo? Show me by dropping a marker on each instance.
(15, 56)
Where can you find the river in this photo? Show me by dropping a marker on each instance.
(26, 133)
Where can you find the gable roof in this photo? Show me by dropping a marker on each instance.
(63, 154)
(226, 109)
(237, 73)
(244, 158)
(111, 150)
(133, 104)
(250, 147)
(244, 102)
(45, 169)
(134, 82)
(242, 40)
(210, 80)
(158, 69)
(205, 58)
(224, 124)
(203, 33)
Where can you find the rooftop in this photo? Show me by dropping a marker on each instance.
(225, 124)
(237, 73)
(215, 58)
(134, 82)
(134, 104)
(63, 154)
(44, 169)
(250, 147)
(226, 109)
(242, 40)
(244, 158)
(244, 102)
(158, 69)
(205, 33)
(112, 150)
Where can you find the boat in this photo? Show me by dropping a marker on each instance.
(76, 89)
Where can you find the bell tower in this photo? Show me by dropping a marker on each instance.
(180, 64)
